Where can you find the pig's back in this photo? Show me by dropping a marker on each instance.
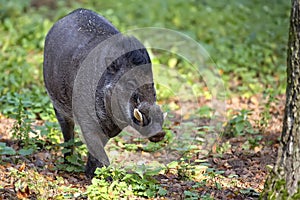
(66, 46)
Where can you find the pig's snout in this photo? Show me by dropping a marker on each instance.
(158, 137)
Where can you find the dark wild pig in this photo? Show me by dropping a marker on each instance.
(115, 91)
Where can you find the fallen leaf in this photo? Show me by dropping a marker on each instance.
(257, 149)
(25, 194)
(22, 167)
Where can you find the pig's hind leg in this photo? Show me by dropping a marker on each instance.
(67, 127)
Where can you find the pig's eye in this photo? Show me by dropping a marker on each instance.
(136, 98)
(130, 85)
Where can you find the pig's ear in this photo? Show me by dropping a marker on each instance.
(111, 65)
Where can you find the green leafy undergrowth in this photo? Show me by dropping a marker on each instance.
(124, 184)
(239, 125)
(30, 184)
(139, 180)
(30, 135)
(245, 46)
(73, 162)
(6, 150)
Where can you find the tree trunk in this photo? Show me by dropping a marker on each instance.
(284, 180)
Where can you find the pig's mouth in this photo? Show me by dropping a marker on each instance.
(158, 137)
(141, 122)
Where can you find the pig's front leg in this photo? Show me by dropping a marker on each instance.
(95, 141)
(91, 166)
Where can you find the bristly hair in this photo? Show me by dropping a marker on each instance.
(135, 52)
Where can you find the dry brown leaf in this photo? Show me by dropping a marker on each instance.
(22, 167)
(257, 149)
(214, 148)
(25, 194)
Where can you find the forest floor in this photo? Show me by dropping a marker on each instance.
(243, 166)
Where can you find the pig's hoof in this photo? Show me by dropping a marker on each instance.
(91, 166)
(158, 137)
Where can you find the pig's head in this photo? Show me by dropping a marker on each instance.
(130, 91)
(145, 116)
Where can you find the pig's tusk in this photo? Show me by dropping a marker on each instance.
(138, 115)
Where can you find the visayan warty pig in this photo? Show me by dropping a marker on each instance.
(100, 79)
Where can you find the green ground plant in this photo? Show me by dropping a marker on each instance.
(239, 125)
(124, 184)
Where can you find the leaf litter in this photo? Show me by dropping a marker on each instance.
(237, 171)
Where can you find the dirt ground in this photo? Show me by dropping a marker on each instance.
(248, 165)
